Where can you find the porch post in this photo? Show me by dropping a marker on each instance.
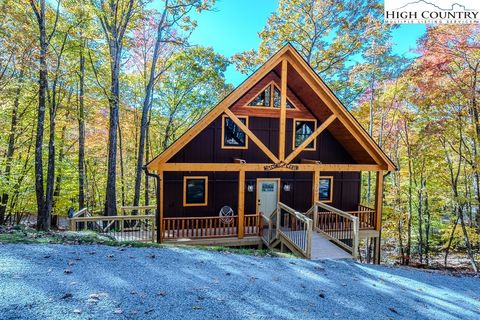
(315, 190)
(241, 203)
(160, 224)
(378, 213)
(283, 112)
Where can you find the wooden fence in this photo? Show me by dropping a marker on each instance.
(125, 227)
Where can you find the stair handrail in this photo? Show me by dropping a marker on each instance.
(352, 218)
(307, 249)
(269, 237)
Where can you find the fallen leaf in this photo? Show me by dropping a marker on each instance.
(77, 311)
(322, 295)
(110, 255)
(162, 294)
(67, 295)
(95, 296)
(393, 310)
(197, 307)
(118, 311)
(47, 256)
(67, 271)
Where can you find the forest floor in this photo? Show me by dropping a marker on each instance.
(55, 281)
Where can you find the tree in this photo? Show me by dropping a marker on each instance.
(326, 33)
(39, 8)
(114, 18)
(174, 16)
(188, 90)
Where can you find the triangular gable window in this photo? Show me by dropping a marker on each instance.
(266, 100)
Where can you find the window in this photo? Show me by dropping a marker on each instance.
(304, 129)
(195, 191)
(325, 189)
(277, 99)
(266, 99)
(232, 136)
(263, 99)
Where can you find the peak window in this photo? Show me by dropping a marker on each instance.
(302, 130)
(266, 99)
(262, 99)
(232, 136)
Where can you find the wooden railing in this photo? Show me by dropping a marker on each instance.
(366, 217)
(269, 227)
(337, 225)
(208, 227)
(121, 228)
(295, 228)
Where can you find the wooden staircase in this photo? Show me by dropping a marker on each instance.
(323, 232)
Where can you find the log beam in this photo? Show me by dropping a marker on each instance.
(312, 137)
(251, 136)
(265, 167)
(283, 111)
(241, 204)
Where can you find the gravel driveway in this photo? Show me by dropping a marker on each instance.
(101, 282)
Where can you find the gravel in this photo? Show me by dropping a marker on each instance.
(101, 282)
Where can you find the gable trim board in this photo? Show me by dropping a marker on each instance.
(287, 55)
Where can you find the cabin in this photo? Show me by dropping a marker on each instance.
(277, 162)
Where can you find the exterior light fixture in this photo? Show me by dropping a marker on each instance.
(287, 187)
(250, 187)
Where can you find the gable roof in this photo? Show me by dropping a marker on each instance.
(346, 129)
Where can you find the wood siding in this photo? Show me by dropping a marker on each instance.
(223, 191)
(206, 147)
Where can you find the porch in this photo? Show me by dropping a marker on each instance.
(321, 232)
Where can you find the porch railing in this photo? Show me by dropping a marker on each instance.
(338, 226)
(366, 217)
(120, 228)
(295, 228)
(208, 227)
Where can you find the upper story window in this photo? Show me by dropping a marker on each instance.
(232, 136)
(195, 191)
(302, 130)
(266, 99)
(325, 189)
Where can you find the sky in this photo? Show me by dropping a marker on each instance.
(234, 25)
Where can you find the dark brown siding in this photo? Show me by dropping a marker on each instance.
(223, 190)
(206, 146)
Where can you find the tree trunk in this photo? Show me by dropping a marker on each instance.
(122, 172)
(147, 103)
(467, 242)
(81, 133)
(447, 250)
(51, 157)
(427, 230)
(43, 220)
(59, 177)
(11, 147)
(110, 194)
(147, 157)
(420, 218)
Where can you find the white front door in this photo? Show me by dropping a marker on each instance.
(267, 195)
